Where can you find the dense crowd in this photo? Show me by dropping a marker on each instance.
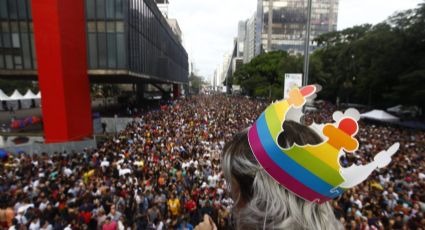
(163, 172)
(392, 198)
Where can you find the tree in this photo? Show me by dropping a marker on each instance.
(380, 65)
(263, 76)
(196, 83)
(8, 86)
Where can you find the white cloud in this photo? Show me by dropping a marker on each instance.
(356, 12)
(209, 26)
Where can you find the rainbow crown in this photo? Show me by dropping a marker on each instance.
(312, 172)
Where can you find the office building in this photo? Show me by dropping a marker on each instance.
(283, 23)
(251, 42)
(241, 38)
(127, 40)
(163, 6)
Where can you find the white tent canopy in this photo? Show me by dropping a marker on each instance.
(395, 109)
(3, 96)
(379, 115)
(16, 95)
(30, 95)
(27, 100)
(38, 99)
(16, 98)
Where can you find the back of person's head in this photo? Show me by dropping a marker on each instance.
(260, 202)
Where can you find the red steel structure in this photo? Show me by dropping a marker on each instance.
(60, 41)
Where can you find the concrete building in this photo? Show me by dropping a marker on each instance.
(241, 38)
(251, 42)
(175, 28)
(163, 7)
(283, 23)
(122, 45)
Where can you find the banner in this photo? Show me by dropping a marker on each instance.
(292, 80)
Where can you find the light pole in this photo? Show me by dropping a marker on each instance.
(307, 44)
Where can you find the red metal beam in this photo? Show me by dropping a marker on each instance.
(60, 41)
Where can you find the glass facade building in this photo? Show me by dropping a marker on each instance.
(283, 22)
(124, 37)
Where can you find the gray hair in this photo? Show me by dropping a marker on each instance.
(267, 204)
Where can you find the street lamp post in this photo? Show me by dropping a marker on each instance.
(307, 44)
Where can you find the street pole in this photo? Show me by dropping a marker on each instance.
(307, 44)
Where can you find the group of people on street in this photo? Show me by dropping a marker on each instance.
(164, 172)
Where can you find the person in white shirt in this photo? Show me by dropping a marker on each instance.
(35, 224)
(45, 225)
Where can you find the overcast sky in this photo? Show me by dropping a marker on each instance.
(209, 26)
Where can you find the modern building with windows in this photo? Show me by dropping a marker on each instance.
(283, 23)
(128, 41)
(241, 38)
(250, 41)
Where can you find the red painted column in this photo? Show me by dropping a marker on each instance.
(176, 91)
(60, 42)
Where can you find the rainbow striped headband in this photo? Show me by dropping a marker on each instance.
(312, 172)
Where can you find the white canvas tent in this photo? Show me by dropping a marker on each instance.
(3, 97)
(379, 115)
(13, 101)
(27, 100)
(30, 95)
(38, 99)
(401, 110)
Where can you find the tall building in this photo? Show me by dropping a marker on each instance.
(126, 39)
(175, 28)
(241, 38)
(163, 7)
(251, 42)
(283, 23)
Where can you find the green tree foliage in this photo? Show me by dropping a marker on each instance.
(196, 83)
(379, 65)
(263, 76)
(8, 86)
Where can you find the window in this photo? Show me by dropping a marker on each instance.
(102, 48)
(34, 60)
(120, 27)
(3, 9)
(101, 27)
(119, 12)
(100, 9)
(4, 27)
(110, 9)
(121, 51)
(18, 62)
(15, 40)
(91, 27)
(112, 52)
(90, 9)
(92, 50)
(26, 51)
(110, 27)
(14, 27)
(24, 27)
(22, 9)
(9, 62)
(12, 8)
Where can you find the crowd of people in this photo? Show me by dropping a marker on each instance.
(392, 198)
(163, 172)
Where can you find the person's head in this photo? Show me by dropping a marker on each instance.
(260, 202)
